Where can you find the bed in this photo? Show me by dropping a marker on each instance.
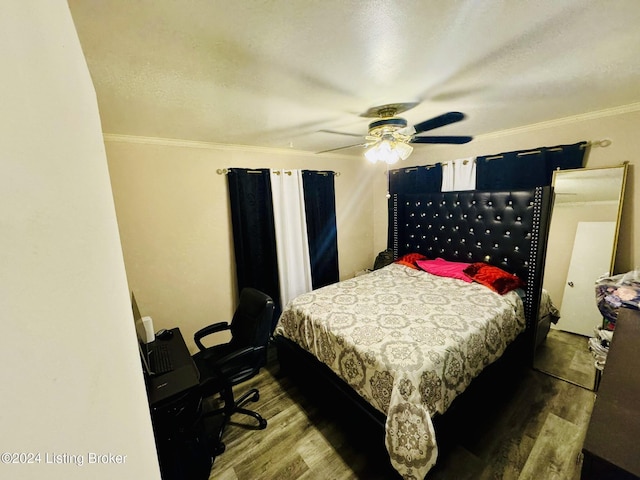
(403, 343)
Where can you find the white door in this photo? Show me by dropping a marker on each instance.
(590, 259)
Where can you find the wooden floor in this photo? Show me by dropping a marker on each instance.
(532, 428)
(567, 356)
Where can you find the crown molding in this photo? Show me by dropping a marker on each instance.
(609, 112)
(173, 142)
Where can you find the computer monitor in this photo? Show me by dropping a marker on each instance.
(141, 335)
(137, 318)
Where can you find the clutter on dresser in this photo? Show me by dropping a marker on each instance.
(615, 292)
(612, 294)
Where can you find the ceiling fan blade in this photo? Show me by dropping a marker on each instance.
(455, 140)
(341, 133)
(343, 148)
(440, 121)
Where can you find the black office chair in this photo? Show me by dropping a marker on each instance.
(224, 366)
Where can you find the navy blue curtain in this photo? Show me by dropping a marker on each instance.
(526, 169)
(511, 171)
(565, 157)
(320, 211)
(424, 179)
(254, 235)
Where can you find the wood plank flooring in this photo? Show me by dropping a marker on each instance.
(567, 356)
(531, 428)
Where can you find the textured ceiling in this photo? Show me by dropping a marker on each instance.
(273, 73)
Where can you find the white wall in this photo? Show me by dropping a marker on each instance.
(70, 370)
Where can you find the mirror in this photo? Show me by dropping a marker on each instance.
(583, 235)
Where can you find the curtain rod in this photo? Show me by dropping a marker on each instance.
(225, 171)
(605, 142)
(464, 162)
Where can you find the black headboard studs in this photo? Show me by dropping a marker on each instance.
(507, 229)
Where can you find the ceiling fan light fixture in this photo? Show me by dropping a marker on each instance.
(372, 154)
(404, 150)
(388, 152)
(383, 151)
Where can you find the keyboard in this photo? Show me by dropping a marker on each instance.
(160, 360)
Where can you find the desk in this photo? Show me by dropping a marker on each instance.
(176, 414)
(611, 449)
(162, 390)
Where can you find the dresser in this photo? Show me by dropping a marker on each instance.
(612, 445)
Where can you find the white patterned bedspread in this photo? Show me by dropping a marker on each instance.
(408, 342)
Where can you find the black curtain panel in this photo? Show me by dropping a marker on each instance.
(254, 236)
(526, 169)
(425, 179)
(512, 171)
(320, 211)
(565, 157)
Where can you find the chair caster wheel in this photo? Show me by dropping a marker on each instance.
(219, 448)
(262, 424)
(255, 397)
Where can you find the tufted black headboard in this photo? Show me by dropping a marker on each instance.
(507, 229)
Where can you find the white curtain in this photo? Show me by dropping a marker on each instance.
(294, 265)
(447, 176)
(459, 174)
(465, 174)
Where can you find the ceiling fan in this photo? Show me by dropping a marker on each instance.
(392, 132)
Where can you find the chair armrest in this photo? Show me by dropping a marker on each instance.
(208, 330)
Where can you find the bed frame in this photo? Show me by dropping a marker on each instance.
(507, 229)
